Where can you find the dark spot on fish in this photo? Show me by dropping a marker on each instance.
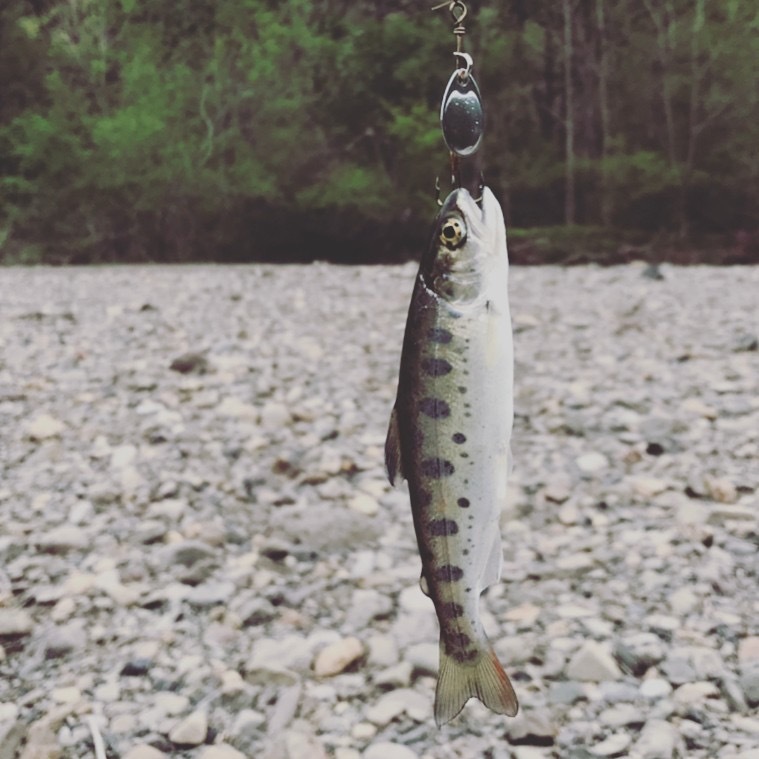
(465, 552)
(423, 498)
(462, 389)
(464, 455)
(440, 528)
(459, 640)
(439, 335)
(437, 468)
(463, 503)
(436, 367)
(451, 610)
(435, 408)
(459, 437)
(448, 573)
(467, 405)
(467, 414)
(458, 645)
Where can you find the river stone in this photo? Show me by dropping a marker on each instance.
(15, 623)
(191, 731)
(337, 657)
(387, 750)
(144, 751)
(592, 662)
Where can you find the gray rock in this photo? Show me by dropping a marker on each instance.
(295, 743)
(614, 745)
(637, 653)
(531, 727)
(64, 639)
(15, 623)
(655, 688)
(678, 669)
(658, 740)
(221, 751)
(62, 539)
(397, 702)
(211, 593)
(191, 731)
(185, 553)
(749, 680)
(285, 708)
(568, 693)
(621, 715)
(144, 751)
(424, 658)
(365, 606)
(387, 750)
(592, 662)
(254, 611)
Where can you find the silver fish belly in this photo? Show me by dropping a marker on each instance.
(449, 437)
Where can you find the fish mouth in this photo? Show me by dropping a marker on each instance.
(471, 212)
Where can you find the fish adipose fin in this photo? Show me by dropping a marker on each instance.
(485, 680)
(393, 451)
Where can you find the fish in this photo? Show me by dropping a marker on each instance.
(449, 438)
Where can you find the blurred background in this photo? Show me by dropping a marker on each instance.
(263, 130)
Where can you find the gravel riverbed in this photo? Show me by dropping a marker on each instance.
(200, 555)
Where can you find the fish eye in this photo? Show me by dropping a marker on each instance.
(452, 233)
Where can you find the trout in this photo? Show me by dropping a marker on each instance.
(449, 437)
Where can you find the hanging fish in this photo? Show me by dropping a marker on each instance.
(449, 437)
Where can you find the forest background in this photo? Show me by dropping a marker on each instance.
(242, 130)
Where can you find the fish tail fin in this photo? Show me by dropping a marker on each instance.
(484, 679)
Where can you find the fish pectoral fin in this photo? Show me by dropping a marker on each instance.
(492, 572)
(393, 450)
(485, 679)
(424, 585)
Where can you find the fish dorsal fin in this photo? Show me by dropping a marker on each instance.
(424, 586)
(492, 571)
(393, 450)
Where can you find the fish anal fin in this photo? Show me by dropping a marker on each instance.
(492, 571)
(393, 451)
(424, 585)
(484, 679)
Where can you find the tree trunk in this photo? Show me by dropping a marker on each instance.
(569, 120)
(603, 105)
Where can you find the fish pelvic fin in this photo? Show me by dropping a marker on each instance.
(484, 679)
(393, 451)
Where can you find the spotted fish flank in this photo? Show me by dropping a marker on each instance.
(436, 367)
(435, 408)
(449, 437)
(441, 528)
(439, 335)
(436, 469)
(448, 573)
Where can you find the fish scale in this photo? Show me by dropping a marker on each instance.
(449, 437)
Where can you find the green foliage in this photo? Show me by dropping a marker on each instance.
(239, 129)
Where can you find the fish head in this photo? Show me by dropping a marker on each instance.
(468, 243)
